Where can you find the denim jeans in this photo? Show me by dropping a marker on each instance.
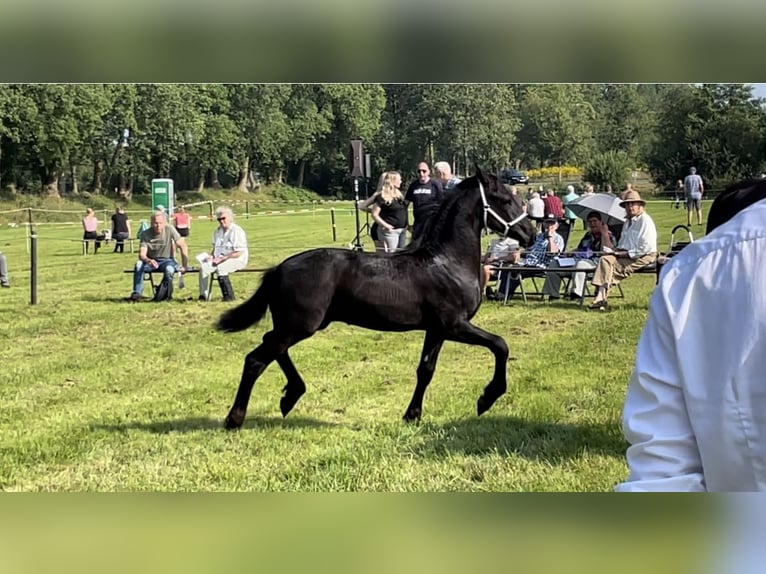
(393, 240)
(166, 266)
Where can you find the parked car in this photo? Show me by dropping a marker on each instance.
(514, 176)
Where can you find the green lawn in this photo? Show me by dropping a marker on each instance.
(101, 395)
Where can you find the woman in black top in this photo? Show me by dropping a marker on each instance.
(390, 212)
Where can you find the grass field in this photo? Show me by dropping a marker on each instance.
(100, 394)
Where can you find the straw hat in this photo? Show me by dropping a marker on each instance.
(631, 195)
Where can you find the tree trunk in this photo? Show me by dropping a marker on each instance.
(75, 187)
(301, 173)
(51, 188)
(213, 179)
(98, 176)
(243, 175)
(201, 183)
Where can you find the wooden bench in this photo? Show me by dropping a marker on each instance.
(85, 243)
(149, 276)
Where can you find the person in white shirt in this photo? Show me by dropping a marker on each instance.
(636, 248)
(695, 410)
(500, 251)
(536, 208)
(230, 254)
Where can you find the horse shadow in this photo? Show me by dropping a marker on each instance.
(194, 424)
(550, 442)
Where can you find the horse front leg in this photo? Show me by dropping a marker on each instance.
(431, 347)
(470, 334)
(295, 386)
(255, 363)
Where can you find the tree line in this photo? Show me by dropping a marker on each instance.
(117, 137)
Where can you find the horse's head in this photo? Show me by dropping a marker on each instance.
(503, 211)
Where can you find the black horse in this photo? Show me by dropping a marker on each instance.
(734, 199)
(433, 285)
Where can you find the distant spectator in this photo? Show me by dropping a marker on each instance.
(90, 230)
(547, 245)
(3, 271)
(608, 189)
(585, 257)
(694, 189)
(589, 189)
(570, 196)
(553, 205)
(499, 252)
(120, 229)
(424, 194)
(636, 248)
(182, 222)
(443, 173)
(536, 208)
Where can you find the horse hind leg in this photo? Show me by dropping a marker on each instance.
(255, 363)
(295, 386)
(431, 347)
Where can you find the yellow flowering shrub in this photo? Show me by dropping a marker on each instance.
(566, 171)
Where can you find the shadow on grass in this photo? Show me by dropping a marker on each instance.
(146, 299)
(194, 424)
(534, 440)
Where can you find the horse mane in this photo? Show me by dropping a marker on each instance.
(443, 219)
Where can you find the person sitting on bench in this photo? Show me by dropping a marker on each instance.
(229, 254)
(155, 254)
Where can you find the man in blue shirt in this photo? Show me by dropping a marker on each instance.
(693, 188)
(547, 245)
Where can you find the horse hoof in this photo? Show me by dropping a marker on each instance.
(412, 416)
(483, 405)
(234, 420)
(287, 402)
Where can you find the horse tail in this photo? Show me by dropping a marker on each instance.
(252, 310)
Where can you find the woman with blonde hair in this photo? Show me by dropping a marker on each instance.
(389, 210)
(90, 230)
(366, 205)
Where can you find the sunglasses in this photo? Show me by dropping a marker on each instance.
(222, 219)
(422, 171)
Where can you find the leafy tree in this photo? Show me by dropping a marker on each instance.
(610, 167)
(556, 125)
(719, 128)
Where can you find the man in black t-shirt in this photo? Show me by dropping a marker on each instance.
(424, 194)
(120, 229)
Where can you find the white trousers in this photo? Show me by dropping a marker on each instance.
(225, 268)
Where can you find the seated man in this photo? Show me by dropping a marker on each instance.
(636, 248)
(547, 245)
(155, 254)
(583, 259)
(499, 252)
(3, 271)
(230, 254)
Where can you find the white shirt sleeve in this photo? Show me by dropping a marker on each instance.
(663, 455)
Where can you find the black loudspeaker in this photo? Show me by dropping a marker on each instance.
(356, 159)
(367, 166)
